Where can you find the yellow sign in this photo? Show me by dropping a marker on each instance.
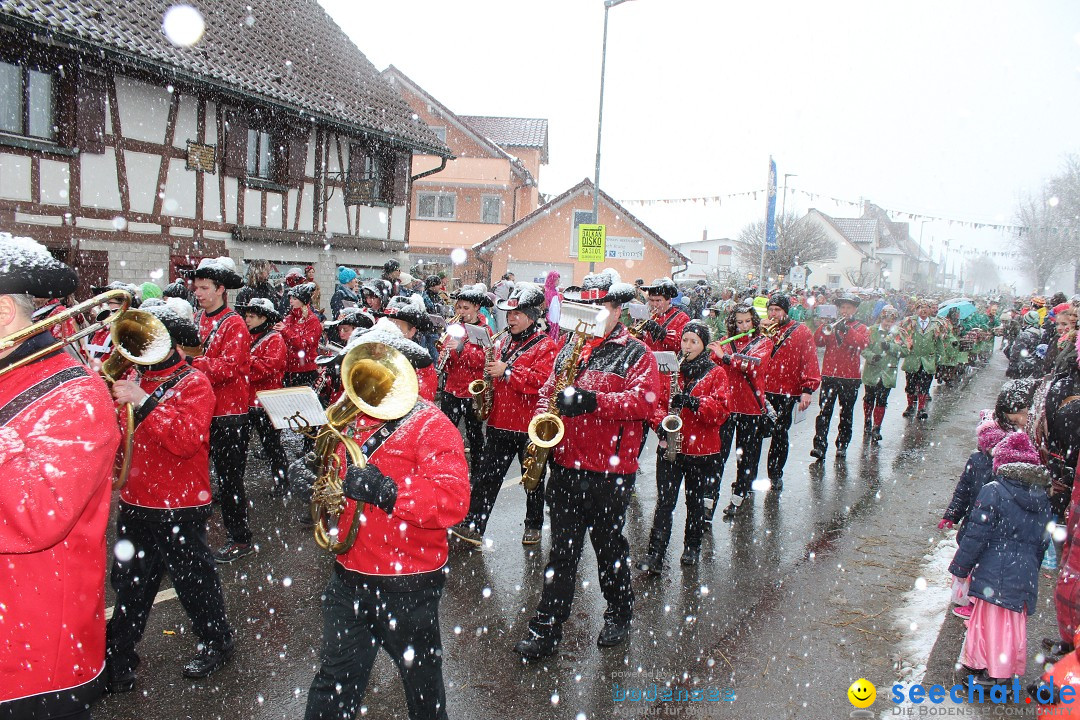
(592, 243)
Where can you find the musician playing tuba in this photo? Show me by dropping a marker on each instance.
(521, 365)
(701, 404)
(56, 455)
(385, 589)
(592, 469)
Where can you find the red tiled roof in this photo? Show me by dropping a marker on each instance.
(511, 132)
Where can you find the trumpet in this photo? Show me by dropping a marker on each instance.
(441, 346)
(839, 326)
(483, 389)
(638, 328)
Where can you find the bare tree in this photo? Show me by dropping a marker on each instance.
(860, 276)
(1043, 244)
(796, 238)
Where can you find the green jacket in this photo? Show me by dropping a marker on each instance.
(882, 358)
(926, 347)
(951, 354)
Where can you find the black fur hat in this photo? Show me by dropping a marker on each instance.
(662, 286)
(411, 309)
(602, 287)
(221, 270)
(28, 268)
(476, 294)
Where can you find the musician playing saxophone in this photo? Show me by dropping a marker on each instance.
(844, 341)
(464, 364)
(592, 469)
(701, 403)
(521, 365)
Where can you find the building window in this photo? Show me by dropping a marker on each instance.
(260, 154)
(27, 101)
(436, 206)
(371, 174)
(834, 281)
(440, 131)
(581, 217)
(492, 210)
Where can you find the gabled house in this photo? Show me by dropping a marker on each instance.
(546, 240)
(490, 183)
(713, 260)
(271, 136)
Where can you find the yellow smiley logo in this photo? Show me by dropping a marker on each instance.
(861, 693)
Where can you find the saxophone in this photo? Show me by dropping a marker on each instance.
(672, 422)
(546, 430)
(483, 389)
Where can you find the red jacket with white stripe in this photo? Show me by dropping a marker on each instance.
(267, 364)
(56, 461)
(226, 359)
(740, 397)
(701, 429)
(672, 320)
(843, 351)
(793, 365)
(301, 335)
(623, 374)
(465, 364)
(518, 391)
(170, 462)
(425, 457)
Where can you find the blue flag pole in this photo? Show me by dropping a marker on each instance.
(770, 224)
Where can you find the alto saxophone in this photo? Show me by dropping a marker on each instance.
(483, 389)
(672, 422)
(546, 430)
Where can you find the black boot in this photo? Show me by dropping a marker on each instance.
(652, 563)
(543, 640)
(690, 556)
(614, 633)
(733, 507)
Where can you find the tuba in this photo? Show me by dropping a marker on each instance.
(672, 422)
(482, 389)
(381, 383)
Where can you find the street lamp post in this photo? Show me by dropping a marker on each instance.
(783, 200)
(608, 4)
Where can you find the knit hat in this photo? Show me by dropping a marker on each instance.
(260, 306)
(432, 281)
(527, 298)
(390, 266)
(377, 288)
(303, 292)
(700, 329)
(662, 286)
(27, 267)
(602, 287)
(1016, 458)
(780, 300)
(149, 290)
(989, 434)
(411, 309)
(1032, 318)
(345, 275)
(176, 289)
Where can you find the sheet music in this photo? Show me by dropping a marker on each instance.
(478, 335)
(666, 360)
(639, 311)
(292, 408)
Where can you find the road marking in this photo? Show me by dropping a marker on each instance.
(511, 481)
(160, 597)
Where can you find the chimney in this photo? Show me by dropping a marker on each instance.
(705, 234)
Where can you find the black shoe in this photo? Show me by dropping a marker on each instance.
(690, 556)
(877, 433)
(278, 491)
(233, 551)
(817, 453)
(987, 681)
(207, 661)
(613, 634)
(923, 415)
(841, 450)
(652, 563)
(536, 646)
(122, 683)
(910, 411)
(777, 485)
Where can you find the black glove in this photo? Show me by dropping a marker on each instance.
(573, 402)
(875, 359)
(683, 400)
(369, 485)
(655, 329)
(725, 359)
(303, 473)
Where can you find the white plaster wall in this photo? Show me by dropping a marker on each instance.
(142, 174)
(332, 163)
(397, 227)
(252, 207)
(54, 182)
(211, 123)
(309, 168)
(133, 262)
(307, 207)
(179, 190)
(211, 198)
(231, 185)
(373, 221)
(14, 177)
(144, 109)
(273, 210)
(97, 178)
(187, 121)
(335, 217)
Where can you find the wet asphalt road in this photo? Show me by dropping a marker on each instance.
(680, 617)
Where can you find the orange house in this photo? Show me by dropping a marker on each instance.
(488, 184)
(546, 239)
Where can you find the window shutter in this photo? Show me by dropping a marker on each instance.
(236, 137)
(297, 143)
(402, 167)
(90, 113)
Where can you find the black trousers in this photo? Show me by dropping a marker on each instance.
(500, 449)
(182, 550)
(271, 442)
(697, 472)
(846, 390)
(303, 379)
(778, 448)
(358, 619)
(918, 383)
(745, 430)
(580, 500)
(228, 451)
(457, 408)
(876, 395)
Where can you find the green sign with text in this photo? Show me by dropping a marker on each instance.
(592, 243)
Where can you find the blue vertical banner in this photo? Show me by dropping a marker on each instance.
(770, 209)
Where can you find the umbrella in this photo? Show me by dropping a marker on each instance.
(956, 300)
(965, 307)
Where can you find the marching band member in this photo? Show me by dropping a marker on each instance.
(99, 347)
(702, 406)
(663, 331)
(744, 360)
(301, 330)
(387, 594)
(226, 362)
(924, 347)
(464, 364)
(592, 470)
(791, 377)
(164, 507)
(374, 294)
(882, 357)
(269, 357)
(409, 316)
(844, 341)
(53, 512)
(521, 365)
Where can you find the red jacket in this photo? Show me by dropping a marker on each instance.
(100, 345)
(226, 359)
(623, 374)
(740, 397)
(170, 463)
(429, 382)
(267, 364)
(793, 366)
(301, 336)
(465, 365)
(517, 393)
(56, 458)
(843, 355)
(425, 457)
(673, 321)
(701, 429)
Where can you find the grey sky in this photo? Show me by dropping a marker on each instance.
(949, 109)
